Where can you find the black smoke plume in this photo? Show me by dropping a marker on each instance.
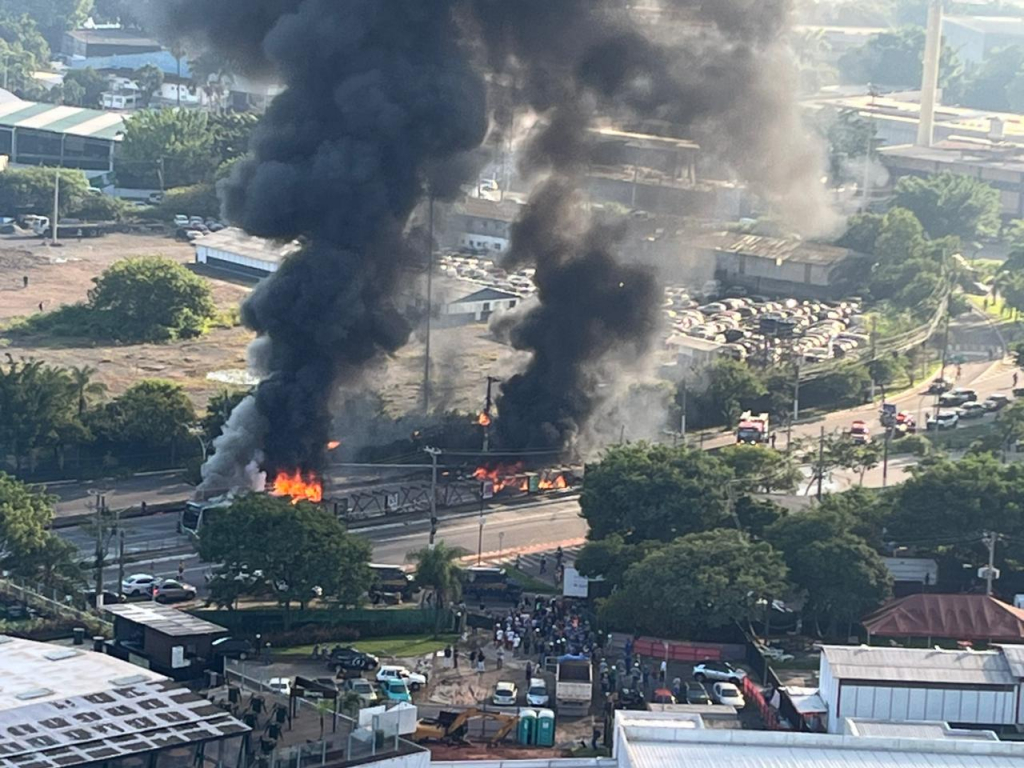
(380, 104)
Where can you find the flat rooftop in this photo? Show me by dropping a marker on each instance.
(772, 248)
(31, 673)
(955, 151)
(663, 740)
(857, 662)
(236, 241)
(164, 619)
(70, 121)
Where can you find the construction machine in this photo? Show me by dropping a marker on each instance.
(450, 726)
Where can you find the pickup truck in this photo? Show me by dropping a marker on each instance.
(574, 687)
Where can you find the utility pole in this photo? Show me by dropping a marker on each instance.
(682, 418)
(480, 534)
(821, 461)
(990, 542)
(485, 421)
(56, 207)
(101, 547)
(796, 392)
(120, 560)
(430, 300)
(885, 457)
(433, 453)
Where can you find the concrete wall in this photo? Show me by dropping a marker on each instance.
(898, 703)
(217, 258)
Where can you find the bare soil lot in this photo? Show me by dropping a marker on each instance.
(463, 357)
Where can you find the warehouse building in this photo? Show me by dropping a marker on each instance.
(481, 226)
(478, 306)
(49, 134)
(232, 250)
(963, 688)
(974, 38)
(64, 708)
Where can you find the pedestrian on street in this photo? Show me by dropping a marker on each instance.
(773, 439)
(480, 666)
(543, 562)
(595, 736)
(24, 281)
(663, 673)
(558, 555)
(501, 658)
(455, 657)
(472, 658)
(181, 570)
(519, 561)
(529, 672)
(1014, 379)
(447, 656)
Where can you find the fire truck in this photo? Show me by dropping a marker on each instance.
(753, 429)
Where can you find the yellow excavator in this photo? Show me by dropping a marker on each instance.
(450, 726)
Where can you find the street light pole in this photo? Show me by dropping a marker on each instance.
(433, 453)
(480, 535)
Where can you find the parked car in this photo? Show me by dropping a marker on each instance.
(196, 221)
(350, 658)
(938, 386)
(696, 693)
(537, 693)
(957, 397)
(718, 670)
(233, 648)
(170, 590)
(483, 582)
(972, 411)
(108, 598)
(395, 690)
(362, 688)
(728, 694)
(181, 220)
(505, 694)
(390, 672)
(138, 584)
(280, 685)
(996, 401)
(859, 433)
(944, 420)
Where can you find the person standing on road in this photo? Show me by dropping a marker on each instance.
(455, 656)
(181, 570)
(1014, 379)
(529, 672)
(500, 657)
(663, 672)
(543, 562)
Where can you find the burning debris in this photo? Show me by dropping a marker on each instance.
(298, 487)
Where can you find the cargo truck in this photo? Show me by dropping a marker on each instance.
(753, 429)
(574, 687)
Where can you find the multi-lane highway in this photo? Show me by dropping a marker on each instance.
(513, 527)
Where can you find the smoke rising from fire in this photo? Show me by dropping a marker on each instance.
(380, 103)
(386, 97)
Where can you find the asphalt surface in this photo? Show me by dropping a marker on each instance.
(511, 528)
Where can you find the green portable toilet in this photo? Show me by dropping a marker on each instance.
(545, 734)
(532, 482)
(527, 730)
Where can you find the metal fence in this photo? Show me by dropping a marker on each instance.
(52, 602)
(368, 622)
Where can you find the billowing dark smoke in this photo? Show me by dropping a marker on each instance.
(589, 307)
(380, 103)
(727, 85)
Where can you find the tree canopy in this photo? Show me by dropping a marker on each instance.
(54, 17)
(652, 492)
(28, 548)
(698, 582)
(437, 569)
(299, 550)
(895, 59)
(950, 204)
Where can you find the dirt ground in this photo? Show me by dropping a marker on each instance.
(462, 357)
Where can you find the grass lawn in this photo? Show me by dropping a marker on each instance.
(994, 309)
(385, 647)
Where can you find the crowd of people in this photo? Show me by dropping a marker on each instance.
(552, 627)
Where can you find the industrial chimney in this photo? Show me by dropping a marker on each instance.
(930, 77)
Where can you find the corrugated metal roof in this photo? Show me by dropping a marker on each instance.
(165, 619)
(72, 121)
(918, 665)
(912, 730)
(959, 617)
(486, 294)
(1014, 655)
(235, 240)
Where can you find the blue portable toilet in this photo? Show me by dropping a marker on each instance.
(527, 729)
(545, 733)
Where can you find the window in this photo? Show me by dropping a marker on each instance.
(487, 306)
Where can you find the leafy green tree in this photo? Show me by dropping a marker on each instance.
(895, 59)
(217, 411)
(37, 411)
(30, 190)
(232, 132)
(28, 547)
(437, 569)
(611, 557)
(757, 515)
(179, 143)
(300, 549)
(887, 369)
(149, 79)
(853, 456)
(151, 298)
(732, 386)
(950, 204)
(652, 492)
(697, 583)
(91, 83)
(862, 231)
(147, 424)
(1010, 426)
(85, 387)
(761, 470)
(54, 17)
(992, 85)
(1010, 286)
(849, 136)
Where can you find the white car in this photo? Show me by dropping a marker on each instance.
(139, 584)
(718, 670)
(944, 420)
(280, 685)
(728, 694)
(414, 680)
(537, 693)
(505, 694)
(181, 220)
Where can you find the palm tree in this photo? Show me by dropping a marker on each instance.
(438, 571)
(81, 378)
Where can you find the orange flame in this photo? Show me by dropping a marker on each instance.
(483, 419)
(558, 483)
(501, 476)
(333, 444)
(298, 487)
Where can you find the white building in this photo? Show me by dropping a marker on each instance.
(963, 688)
(231, 250)
(478, 307)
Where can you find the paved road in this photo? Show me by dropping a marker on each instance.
(520, 527)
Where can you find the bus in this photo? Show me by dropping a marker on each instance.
(198, 513)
